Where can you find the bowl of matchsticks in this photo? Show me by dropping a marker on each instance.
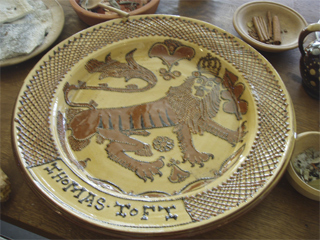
(269, 26)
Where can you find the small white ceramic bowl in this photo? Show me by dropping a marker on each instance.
(290, 21)
(303, 142)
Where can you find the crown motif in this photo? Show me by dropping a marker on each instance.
(209, 64)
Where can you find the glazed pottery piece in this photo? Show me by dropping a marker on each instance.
(157, 126)
(310, 61)
(90, 4)
(57, 26)
(99, 16)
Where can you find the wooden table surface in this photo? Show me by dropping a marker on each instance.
(283, 214)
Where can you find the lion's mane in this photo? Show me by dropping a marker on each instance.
(189, 108)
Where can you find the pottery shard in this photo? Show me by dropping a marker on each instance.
(22, 36)
(13, 10)
(26, 38)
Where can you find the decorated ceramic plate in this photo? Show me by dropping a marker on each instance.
(54, 32)
(156, 126)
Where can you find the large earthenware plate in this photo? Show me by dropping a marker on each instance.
(157, 126)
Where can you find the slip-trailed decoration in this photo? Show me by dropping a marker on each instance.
(226, 93)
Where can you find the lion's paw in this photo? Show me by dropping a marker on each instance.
(196, 157)
(147, 170)
(145, 150)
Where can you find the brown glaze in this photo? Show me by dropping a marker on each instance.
(187, 113)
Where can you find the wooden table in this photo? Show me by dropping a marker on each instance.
(283, 214)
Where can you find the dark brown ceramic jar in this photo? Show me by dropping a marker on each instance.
(310, 62)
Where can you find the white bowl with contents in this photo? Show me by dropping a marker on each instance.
(290, 22)
(304, 167)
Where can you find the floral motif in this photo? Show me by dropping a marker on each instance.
(177, 174)
(163, 144)
(171, 52)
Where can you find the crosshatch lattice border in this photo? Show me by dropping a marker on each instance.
(275, 116)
